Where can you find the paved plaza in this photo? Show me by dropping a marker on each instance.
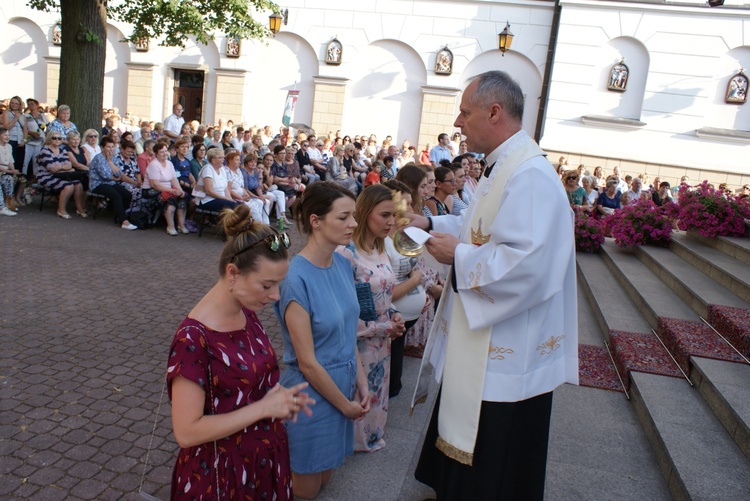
(87, 319)
(87, 315)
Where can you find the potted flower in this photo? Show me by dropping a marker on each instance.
(643, 222)
(589, 232)
(711, 212)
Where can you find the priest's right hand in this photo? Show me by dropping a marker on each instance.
(417, 220)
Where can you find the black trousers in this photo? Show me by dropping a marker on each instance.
(397, 360)
(510, 455)
(119, 196)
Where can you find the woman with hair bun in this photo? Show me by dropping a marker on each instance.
(320, 338)
(228, 407)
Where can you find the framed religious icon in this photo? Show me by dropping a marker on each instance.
(444, 62)
(333, 52)
(57, 34)
(737, 89)
(618, 77)
(141, 44)
(233, 46)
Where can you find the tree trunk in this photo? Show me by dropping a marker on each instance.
(82, 61)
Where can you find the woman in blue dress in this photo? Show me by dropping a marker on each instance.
(318, 312)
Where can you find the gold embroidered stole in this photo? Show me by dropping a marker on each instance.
(466, 350)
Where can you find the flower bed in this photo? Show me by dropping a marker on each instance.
(710, 212)
(641, 223)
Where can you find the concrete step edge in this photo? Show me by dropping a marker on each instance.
(634, 295)
(718, 400)
(689, 249)
(685, 462)
(731, 246)
(668, 276)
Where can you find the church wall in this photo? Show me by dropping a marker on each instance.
(408, 32)
(689, 54)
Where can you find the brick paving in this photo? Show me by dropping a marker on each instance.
(87, 315)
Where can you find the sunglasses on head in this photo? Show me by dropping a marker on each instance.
(274, 243)
(56, 138)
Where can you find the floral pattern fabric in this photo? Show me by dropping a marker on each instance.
(374, 343)
(252, 463)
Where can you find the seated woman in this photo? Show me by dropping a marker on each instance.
(320, 339)
(272, 190)
(662, 195)
(199, 160)
(213, 180)
(592, 193)
(252, 182)
(281, 177)
(609, 200)
(77, 157)
(576, 195)
(8, 174)
(445, 185)
(338, 173)
(182, 167)
(237, 185)
(228, 408)
(90, 145)
(105, 178)
(161, 182)
(132, 178)
(58, 175)
(601, 182)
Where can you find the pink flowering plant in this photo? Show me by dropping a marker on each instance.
(641, 223)
(710, 212)
(589, 232)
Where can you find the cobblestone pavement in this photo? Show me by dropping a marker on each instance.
(87, 315)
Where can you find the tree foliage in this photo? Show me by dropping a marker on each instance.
(173, 21)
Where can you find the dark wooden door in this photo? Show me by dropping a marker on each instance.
(188, 91)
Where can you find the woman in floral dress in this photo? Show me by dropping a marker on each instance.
(379, 321)
(227, 405)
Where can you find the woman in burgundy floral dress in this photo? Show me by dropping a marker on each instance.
(233, 444)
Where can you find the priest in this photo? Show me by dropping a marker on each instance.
(506, 331)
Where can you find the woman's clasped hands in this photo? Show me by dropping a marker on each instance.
(286, 403)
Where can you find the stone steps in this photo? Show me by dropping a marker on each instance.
(688, 427)
(696, 455)
(736, 247)
(729, 272)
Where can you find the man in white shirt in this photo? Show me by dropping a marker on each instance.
(316, 157)
(622, 185)
(441, 151)
(236, 141)
(509, 306)
(173, 123)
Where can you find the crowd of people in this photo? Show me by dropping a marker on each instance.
(349, 304)
(602, 196)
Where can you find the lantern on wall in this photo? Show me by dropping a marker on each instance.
(505, 39)
(276, 19)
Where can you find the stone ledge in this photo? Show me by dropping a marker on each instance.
(619, 122)
(716, 133)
